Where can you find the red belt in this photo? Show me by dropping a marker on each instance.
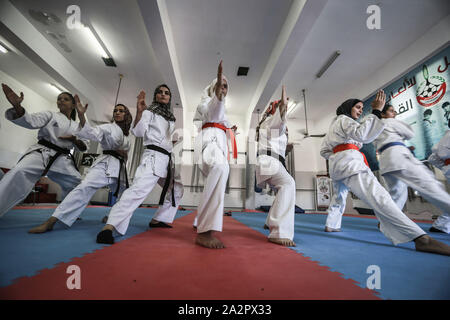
(227, 130)
(447, 162)
(348, 146)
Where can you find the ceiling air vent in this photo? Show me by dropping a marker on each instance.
(242, 71)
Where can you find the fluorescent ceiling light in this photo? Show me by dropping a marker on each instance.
(328, 63)
(3, 49)
(55, 88)
(94, 42)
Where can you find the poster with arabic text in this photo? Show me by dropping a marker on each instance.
(421, 98)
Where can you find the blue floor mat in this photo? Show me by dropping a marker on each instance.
(24, 254)
(405, 273)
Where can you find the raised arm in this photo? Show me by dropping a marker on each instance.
(80, 110)
(14, 100)
(18, 114)
(371, 127)
(140, 107)
(218, 88)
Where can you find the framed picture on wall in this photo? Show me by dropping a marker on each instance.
(88, 159)
(323, 191)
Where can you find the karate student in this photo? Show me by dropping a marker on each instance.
(156, 125)
(336, 208)
(227, 213)
(165, 214)
(49, 157)
(270, 168)
(212, 142)
(108, 170)
(440, 158)
(349, 169)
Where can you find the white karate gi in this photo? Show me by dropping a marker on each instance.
(212, 161)
(401, 169)
(337, 205)
(272, 137)
(347, 168)
(441, 152)
(20, 180)
(166, 213)
(103, 172)
(153, 168)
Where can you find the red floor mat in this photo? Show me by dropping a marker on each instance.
(165, 264)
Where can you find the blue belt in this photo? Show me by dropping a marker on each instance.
(390, 144)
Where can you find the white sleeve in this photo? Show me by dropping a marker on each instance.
(29, 120)
(366, 131)
(142, 126)
(436, 161)
(216, 110)
(90, 133)
(404, 129)
(325, 149)
(276, 121)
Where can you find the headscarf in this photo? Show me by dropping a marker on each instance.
(207, 95)
(160, 108)
(346, 107)
(125, 125)
(210, 89)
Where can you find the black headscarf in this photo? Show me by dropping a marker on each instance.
(160, 108)
(346, 107)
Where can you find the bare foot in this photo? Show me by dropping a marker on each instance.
(46, 226)
(426, 243)
(328, 229)
(207, 240)
(283, 241)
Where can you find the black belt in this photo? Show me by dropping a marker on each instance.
(121, 159)
(273, 155)
(59, 151)
(169, 177)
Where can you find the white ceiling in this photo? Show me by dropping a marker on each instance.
(180, 42)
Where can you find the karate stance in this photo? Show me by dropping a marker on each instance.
(270, 168)
(105, 171)
(156, 125)
(49, 157)
(440, 158)
(165, 214)
(349, 170)
(212, 141)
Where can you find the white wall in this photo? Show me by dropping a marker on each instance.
(15, 140)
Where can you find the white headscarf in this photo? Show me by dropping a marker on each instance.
(207, 95)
